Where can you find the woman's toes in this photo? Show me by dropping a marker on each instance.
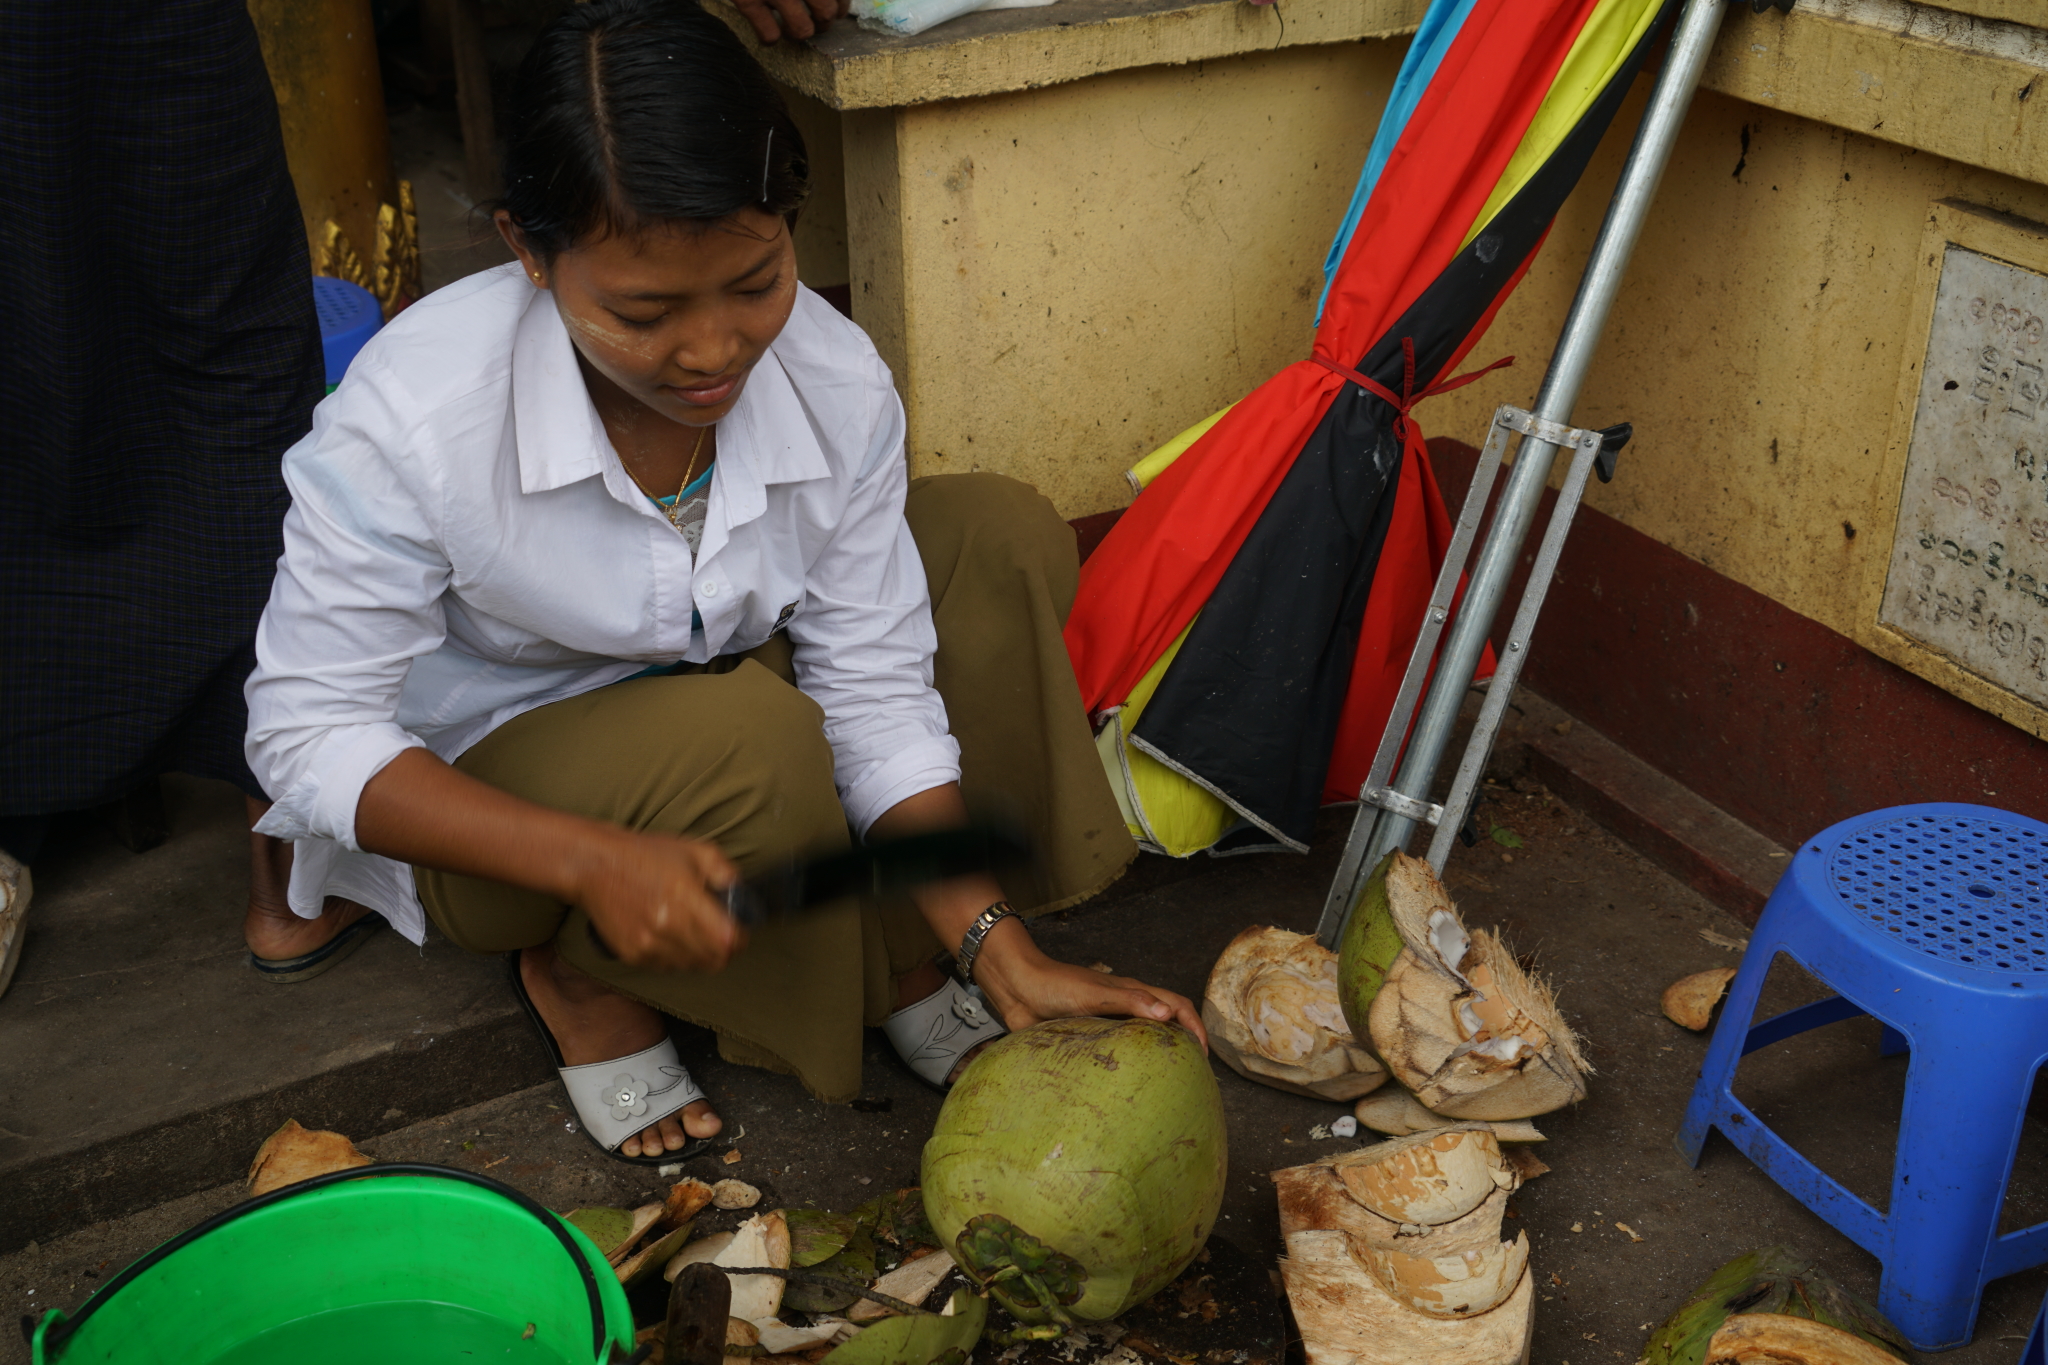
(700, 1120)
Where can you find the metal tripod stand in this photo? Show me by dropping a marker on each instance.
(1391, 804)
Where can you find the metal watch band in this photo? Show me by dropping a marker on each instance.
(970, 943)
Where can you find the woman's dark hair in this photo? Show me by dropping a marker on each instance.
(631, 113)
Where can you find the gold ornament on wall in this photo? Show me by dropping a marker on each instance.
(394, 279)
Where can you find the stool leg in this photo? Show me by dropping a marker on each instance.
(1958, 1135)
(1724, 1053)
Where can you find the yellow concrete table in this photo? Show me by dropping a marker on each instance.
(1075, 230)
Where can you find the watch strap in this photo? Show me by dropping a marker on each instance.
(971, 941)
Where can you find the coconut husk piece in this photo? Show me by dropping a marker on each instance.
(1396, 1113)
(294, 1153)
(1457, 1021)
(762, 1240)
(1781, 1339)
(1768, 1281)
(1273, 1016)
(912, 1282)
(1457, 1267)
(1690, 1000)
(1346, 1318)
(704, 1249)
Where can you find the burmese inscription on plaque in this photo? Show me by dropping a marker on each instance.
(1969, 565)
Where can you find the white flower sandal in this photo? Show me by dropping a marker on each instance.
(932, 1035)
(623, 1097)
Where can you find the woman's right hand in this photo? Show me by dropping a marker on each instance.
(656, 900)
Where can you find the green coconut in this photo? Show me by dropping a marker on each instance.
(1078, 1165)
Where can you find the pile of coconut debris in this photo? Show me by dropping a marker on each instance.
(1445, 1043)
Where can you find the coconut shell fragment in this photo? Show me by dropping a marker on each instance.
(1780, 1339)
(1690, 1000)
(1346, 1318)
(1273, 1015)
(1429, 1178)
(1454, 1267)
(294, 1153)
(1456, 1019)
(1393, 1111)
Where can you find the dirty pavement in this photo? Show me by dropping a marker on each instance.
(1610, 930)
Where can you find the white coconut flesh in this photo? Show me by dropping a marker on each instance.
(1449, 939)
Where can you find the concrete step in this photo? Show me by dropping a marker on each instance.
(141, 1060)
(144, 1060)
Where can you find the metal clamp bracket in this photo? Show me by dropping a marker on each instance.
(1387, 799)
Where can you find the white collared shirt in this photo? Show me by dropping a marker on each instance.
(463, 546)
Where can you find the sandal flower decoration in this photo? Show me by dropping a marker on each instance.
(627, 1095)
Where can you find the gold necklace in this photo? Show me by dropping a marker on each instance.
(675, 508)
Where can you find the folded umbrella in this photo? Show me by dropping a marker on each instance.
(1240, 634)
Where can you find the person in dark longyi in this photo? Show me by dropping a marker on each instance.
(605, 585)
(158, 354)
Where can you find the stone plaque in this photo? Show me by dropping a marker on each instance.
(1969, 566)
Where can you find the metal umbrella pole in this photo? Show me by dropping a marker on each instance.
(1388, 811)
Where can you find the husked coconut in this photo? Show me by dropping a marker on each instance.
(1690, 1000)
(1458, 1021)
(1273, 1016)
(1428, 1178)
(1457, 1270)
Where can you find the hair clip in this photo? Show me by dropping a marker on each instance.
(767, 156)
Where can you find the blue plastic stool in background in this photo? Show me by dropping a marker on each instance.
(1934, 920)
(2037, 1344)
(349, 316)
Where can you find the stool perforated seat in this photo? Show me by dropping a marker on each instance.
(1932, 919)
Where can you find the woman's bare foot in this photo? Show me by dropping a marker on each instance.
(275, 934)
(921, 983)
(593, 1023)
(270, 928)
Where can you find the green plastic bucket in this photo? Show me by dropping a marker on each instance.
(391, 1263)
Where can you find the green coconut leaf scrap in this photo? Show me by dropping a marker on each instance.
(853, 1267)
(927, 1339)
(609, 1228)
(816, 1235)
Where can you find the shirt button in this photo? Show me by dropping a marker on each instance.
(709, 590)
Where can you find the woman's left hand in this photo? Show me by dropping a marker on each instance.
(1027, 987)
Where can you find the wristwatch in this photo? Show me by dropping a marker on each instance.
(970, 943)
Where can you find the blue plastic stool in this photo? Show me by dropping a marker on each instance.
(2037, 1344)
(1934, 920)
(349, 316)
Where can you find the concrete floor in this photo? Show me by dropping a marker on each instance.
(1610, 929)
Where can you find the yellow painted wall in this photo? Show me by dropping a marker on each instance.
(1757, 344)
(1064, 278)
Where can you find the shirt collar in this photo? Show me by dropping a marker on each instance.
(766, 439)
